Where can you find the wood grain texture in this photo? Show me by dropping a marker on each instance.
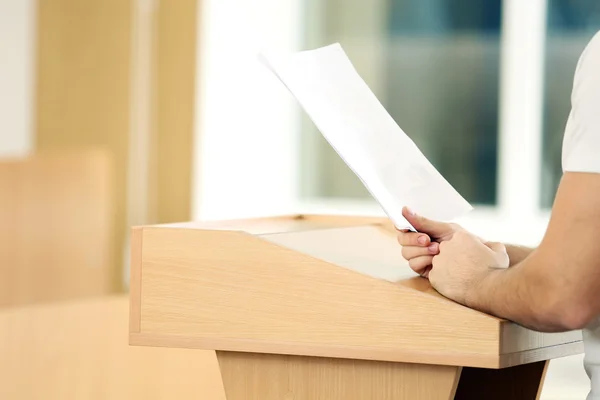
(83, 88)
(98, 86)
(241, 345)
(249, 376)
(224, 286)
(175, 73)
(523, 382)
(55, 226)
(284, 223)
(79, 350)
(375, 252)
(135, 288)
(295, 348)
(227, 289)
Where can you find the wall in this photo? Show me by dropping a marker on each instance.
(245, 151)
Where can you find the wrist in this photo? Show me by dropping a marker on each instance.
(481, 288)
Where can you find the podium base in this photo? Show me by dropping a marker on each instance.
(252, 376)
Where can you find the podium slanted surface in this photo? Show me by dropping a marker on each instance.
(324, 307)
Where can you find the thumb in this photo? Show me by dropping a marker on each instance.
(496, 247)
(501, 254)
(424, 225)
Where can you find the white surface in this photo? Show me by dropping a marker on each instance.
(365, 136)
(372, 252)
(246, 155)
(581, 145)
(17, 49)
(591, 344)
(566, 380)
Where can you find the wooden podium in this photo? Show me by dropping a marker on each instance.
(324, 307)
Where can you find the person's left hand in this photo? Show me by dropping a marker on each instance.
(463, 262)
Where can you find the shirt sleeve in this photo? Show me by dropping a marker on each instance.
(581, 144)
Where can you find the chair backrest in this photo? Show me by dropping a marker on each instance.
(55, 227)
(79, 350)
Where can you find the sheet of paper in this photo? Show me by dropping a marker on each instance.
(365, 136)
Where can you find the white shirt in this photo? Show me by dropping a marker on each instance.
(581, 153)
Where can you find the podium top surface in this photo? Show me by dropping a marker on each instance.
(330, 286)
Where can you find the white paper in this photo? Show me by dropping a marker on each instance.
(365, 136)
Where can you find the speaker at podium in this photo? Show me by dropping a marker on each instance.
(310, 307)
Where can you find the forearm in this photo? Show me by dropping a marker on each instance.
(517, 254)
(523, 295)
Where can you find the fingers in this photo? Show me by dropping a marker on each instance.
(419, 250)
(413, 239)
(410, 252)
(425, 273)
(422, 224)
(421, 265)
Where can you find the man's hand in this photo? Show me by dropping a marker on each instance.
(464, 262)
(419, 248)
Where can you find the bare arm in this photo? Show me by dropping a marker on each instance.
(556, 288)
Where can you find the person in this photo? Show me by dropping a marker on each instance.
(556, 286)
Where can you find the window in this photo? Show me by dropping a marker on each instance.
(434, 64)
(571, 25)
(482, 87)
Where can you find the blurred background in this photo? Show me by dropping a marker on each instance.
(118, 113)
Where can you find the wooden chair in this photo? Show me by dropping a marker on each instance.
(55, 227)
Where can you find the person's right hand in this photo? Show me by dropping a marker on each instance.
(419, 248)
